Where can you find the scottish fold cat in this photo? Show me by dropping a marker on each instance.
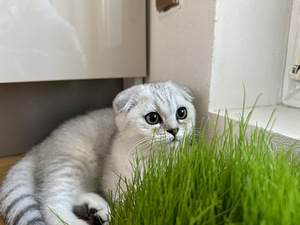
(60, 176)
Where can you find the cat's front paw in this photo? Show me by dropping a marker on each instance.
(93, 208)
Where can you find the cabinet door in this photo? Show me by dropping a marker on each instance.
(72, 39)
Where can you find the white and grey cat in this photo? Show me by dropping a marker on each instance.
(61, 173)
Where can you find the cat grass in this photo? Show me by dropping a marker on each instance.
(235, 179)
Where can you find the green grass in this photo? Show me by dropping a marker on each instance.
(235, 179)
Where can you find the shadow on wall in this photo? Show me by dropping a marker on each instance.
(30, 111)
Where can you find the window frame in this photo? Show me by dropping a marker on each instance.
(291, 80)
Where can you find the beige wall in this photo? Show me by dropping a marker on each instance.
(30, 111)
(181, 45)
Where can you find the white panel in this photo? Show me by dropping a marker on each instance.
(71, 39)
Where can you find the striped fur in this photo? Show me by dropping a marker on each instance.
(18, 200)
(61, 173)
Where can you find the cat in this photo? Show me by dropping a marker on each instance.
(60, 176)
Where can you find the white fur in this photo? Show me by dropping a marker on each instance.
(63, 170)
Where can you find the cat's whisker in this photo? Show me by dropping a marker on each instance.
(140, 141)
(146, 147)
(138, 144)
(138, 147)
(141, 148)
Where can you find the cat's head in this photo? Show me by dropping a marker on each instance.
(163, 111)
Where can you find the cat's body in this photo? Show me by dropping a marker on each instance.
(63, 171)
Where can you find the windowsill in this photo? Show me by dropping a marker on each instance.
(286, 128)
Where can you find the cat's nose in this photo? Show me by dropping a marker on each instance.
(173, 131)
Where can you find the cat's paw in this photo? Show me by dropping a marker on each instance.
(93, 208)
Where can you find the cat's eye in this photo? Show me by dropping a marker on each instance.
(153, 118)
(181, 113)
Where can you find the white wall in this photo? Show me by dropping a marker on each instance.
(250, 46)
(180, 47)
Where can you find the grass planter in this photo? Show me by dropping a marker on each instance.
(237, 179)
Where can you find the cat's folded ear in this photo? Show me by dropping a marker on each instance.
(126, 99)
(188, 94)
(184, 91)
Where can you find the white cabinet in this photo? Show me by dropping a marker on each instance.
(72, 39)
